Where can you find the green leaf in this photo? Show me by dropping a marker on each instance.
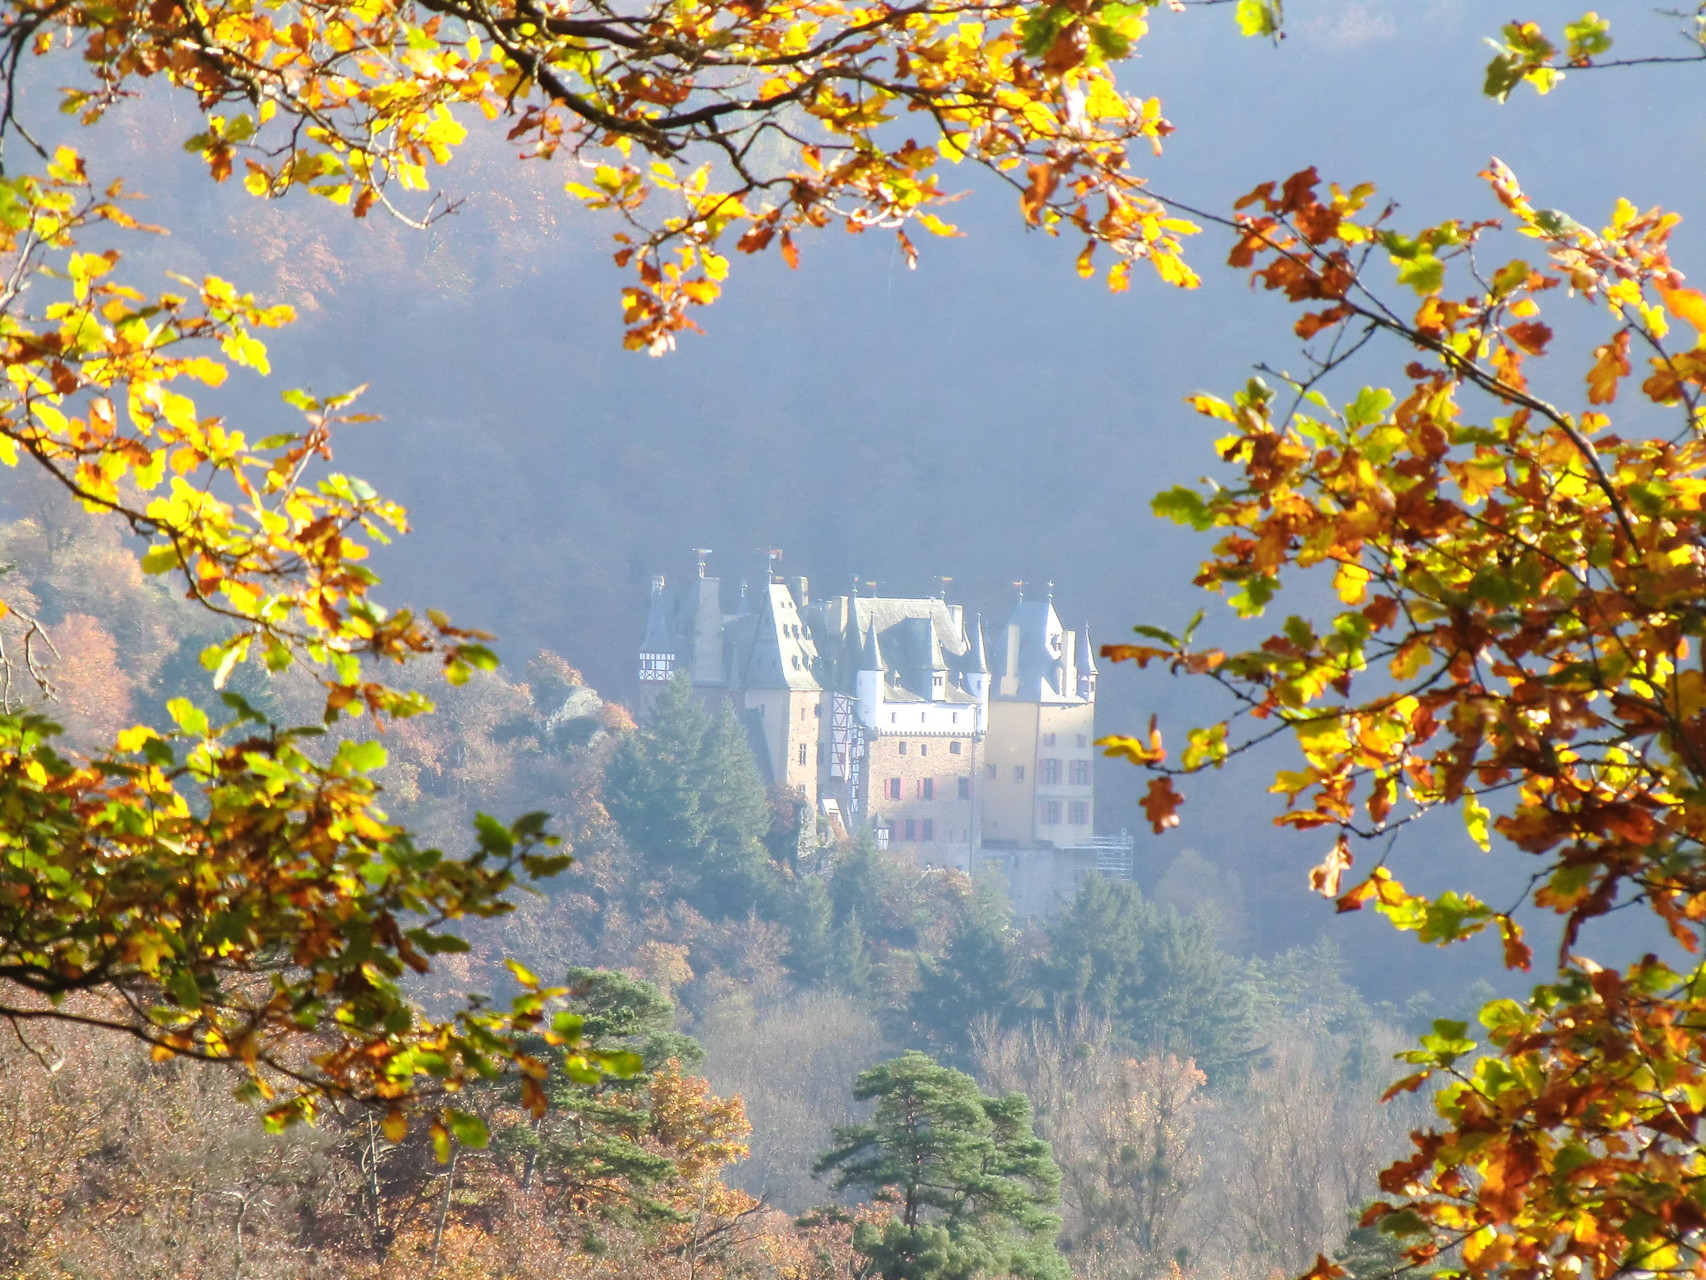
(1259, 17)
(1424, 273)
(624, 1066)
(1588, 36)
(467, 1129)
(1183, 506)
(1504, 73)
(1406, 1222)
(493, 836)
(160, 559)
(1476, 817)
(478, 656)
(242, 706)
(184, 989)
(188, 717)
(234, 653)
(1370, 406)
(362, 757)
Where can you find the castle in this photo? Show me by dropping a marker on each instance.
(884, 713)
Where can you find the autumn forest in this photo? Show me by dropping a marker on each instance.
(358, 919)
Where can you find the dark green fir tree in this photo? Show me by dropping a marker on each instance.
(977, 975)
(973, 1190)
(1160, 978)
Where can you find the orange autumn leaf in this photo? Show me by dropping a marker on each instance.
(1611, 363)
(1161, 803)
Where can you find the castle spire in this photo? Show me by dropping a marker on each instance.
(1087, 667)
(979, 658)
(871, 656)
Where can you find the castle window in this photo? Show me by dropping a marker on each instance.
(1018, 773)
(911, 829)
(965, 788)
(1080, 774)
(900, 747)
(929, 832)
(923, 748)
(956, 717)
(927, 788)
(991, 772)
(954, 747)
(802, 753)
(894, 788)
(1048, 739)
(894, 717)
(1080, 811)
(1051, 813)
(1050, 772)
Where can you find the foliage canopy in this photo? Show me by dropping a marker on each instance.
(1519, 576)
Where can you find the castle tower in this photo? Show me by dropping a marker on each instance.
(1038, 788)
(780, 694)
(1087, 667)
(977, 671)
(868, 683)
(658, 649)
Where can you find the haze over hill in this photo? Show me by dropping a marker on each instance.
(988, 417)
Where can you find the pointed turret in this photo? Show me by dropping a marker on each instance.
(1087, 668)
(871, 654)
(869, 682)
(977, 672)
(660, 619)
(658, 649)
(979, 661)
(931, 677)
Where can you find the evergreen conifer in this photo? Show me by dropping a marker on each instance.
(972, 1188)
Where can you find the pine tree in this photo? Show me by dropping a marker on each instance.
(850, 958)
(868, 882)
(971, 1187)
(1159, 977)
(652, 785)
(811, 931)
(618, 1010)
(1369, 1253)
(732, 857)
(593, 1144)
(976, 976)
(687, 796)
